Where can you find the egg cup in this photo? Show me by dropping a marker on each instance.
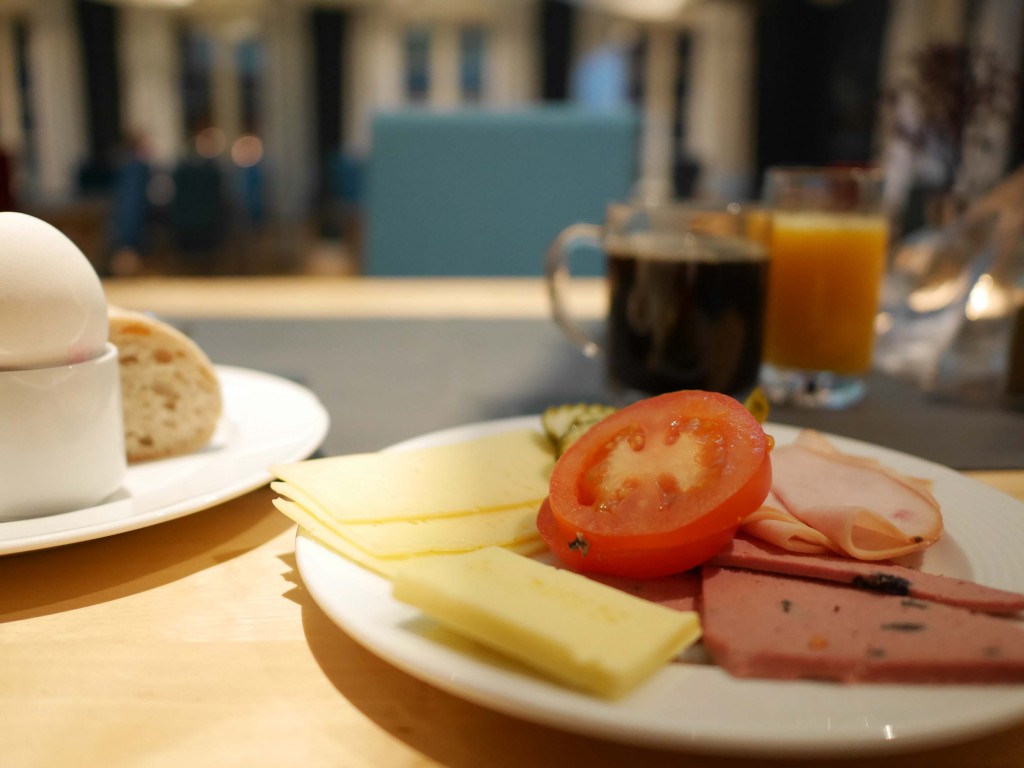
(62, 437)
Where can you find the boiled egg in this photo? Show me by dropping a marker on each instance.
(52, 308)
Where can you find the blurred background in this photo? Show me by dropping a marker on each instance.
(324, 136)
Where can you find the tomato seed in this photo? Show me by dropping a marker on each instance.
(668, 483)
(637, 440)
(627, 487)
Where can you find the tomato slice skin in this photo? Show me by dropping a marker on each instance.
(658, 487)
(639, 564)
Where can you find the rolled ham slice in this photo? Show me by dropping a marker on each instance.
(866, 510)
(772, 626)
(773, 524)
(888, 578)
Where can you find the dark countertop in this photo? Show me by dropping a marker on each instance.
(385, 380)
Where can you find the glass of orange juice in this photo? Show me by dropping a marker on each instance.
(827, 242)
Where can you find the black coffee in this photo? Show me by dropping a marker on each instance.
(686, 324)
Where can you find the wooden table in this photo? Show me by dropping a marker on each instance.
(194, 643)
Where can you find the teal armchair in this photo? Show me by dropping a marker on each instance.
(483, 193)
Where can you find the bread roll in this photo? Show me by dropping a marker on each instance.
(170, 391)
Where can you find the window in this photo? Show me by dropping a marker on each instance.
(250, 69)
(196, 65)
(417, 63)
(472, 49)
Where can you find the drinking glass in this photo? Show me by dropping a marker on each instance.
(686, 286)
(828, 243)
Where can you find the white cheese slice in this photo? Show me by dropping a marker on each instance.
(385, 566)
(584, 634)
(510, 469)
(395, 538)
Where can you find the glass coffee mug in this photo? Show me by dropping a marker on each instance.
(687, 289)
(828, 244)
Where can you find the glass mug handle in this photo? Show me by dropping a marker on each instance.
(556, 274)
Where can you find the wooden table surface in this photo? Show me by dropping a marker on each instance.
(194, 643)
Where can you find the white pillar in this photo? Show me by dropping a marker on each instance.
(374, 71)
(57, 86)
(10, 103)
(657, 154)
(287, 112)
(357, 92)
(387, 60)
(445, 56)
(150, 66)
(592, 31)
(511, 75)
(720, 105)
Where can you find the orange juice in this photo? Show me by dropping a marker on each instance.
(823, 289)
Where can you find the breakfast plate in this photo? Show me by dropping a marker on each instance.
(697, 706)
(266, 420)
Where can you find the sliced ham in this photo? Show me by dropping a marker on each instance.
(888, 578)
(866, 510)
(772, 523)
(772, 626)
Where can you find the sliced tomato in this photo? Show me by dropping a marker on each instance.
(642, 563)
(657, 487)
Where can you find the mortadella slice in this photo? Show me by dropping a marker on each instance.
(772, 626)
(888, 578)
(867, 510)
(680, 591)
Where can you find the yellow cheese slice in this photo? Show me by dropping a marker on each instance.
(393, 538)
(510, 469)
(383, 566)
(584, 634)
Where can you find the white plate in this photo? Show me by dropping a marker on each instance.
(266, 420)
(701, 708)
